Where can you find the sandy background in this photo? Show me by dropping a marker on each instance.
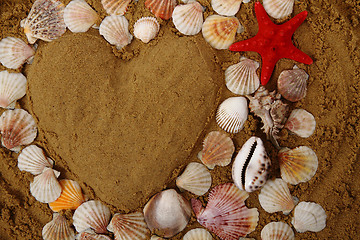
(125, 123)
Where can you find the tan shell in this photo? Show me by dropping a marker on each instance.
(79, 16)
(226, 7)
(161, 8)
(115, 7)
(195, 179)
(188, 18)
(146, 29)
(292, 84)
(58, 229)
(128, 226)
(12, 88)
(197, 234)
(232, 114)
(45, 187)
(14, 52)
(32, 159)
(309, 216)
(278, 8)
(89, 234)
(115, 29)
(277, 231)
(301, 122)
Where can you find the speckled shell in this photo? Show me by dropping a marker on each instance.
(32, 159)
(188, 18)
(232, 114)
(309, 216)
(45, 187)
(251, 165)
(197, 234)
(128, 226)
(277, 231)
(115, 7)
(146, 29)
(79, 16)
(292, 84)
(301, 122)
(115, 29)
(226, 7)
(14, 52)
(278, 8)
(161, 8)
(12, 88)
(89, 234)
(58, 229)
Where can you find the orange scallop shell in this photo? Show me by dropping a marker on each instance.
(161, 8)
(71, 196)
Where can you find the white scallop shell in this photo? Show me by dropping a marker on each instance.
(195, 179)
(301, 122)
(14, 52)
(226, 7)
(146, 28)
(128, 226)
(92, 214)
(232, 114)
(154, 237)
(79, 16)
(115, 29)
(188, 18)
(309, 216)
(32, 159)
(241, 78)
(115, 7)
(197, 234)
(89, 234)
(278, 8)
(58, 229)
(277, 231)
(12, 88)
(45, 187)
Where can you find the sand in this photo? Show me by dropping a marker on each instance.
(125, 123)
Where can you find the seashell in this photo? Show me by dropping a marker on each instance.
(161, 8)
(275, 196)
(14, 52)
(232, 114)
(92, 214)
(45, 188)
(278, 8)
(218, 149)
(45, 21)
(58, 229)
(12, 88)
(17, 128)
(297, 165)
(71, 196)
(115, 7)
(32, 159)
(251, 165)
(220, 31)
(226, 214)
(292, 84)
(241, 78)
(197, 234)
(309, 216)
(154, 237)
(115, 30)
(226, 7)
(195, 179)
(277, 231)
(188, 18)
(89, 234)
(168, 212)
(301, 122)
(79, 16)
(146, 28)
(128, 226)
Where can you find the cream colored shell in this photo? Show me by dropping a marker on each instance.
(12, 88)
(33, 160)
(195, 179)
(277, 231)
(197, 234)
(128, 226)
(115, 7)
(45, 188)
(226, 7)
(232, 114)
(301, 122)
(79, 16)
(309, 216)
(278, 8)
(14, 52)
(115, 29)
(146, 29)
(188, 18)
(58, 229)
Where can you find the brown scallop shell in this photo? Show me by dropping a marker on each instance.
(292, 84)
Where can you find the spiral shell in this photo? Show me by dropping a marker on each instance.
(277, 231)
(161, 8)
(79, 16)
(188, 18)
(115, 7)
(115, 29)
(226, 7)
(45, 187)
(58, 229)
(309, 216)
(32, 159)
(232, 114)
(14, 52)
(301, 122)
(12, 88)
(146, 28)
(278, 8)
(128, 226)
(292, 84)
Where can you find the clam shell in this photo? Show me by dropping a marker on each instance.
(128, 226)
(89, 234)
(12, 88)
(309, 216)
(146, 29)
(292, 84)
(14, 52)
(277, 231)
(226, 7)
(251, 165)
(301, 122)
(45, 21)
(167, 212)
(45, 187)
(161, 8)
(232, 114)
(115, 29)
(197, 234)
(17, 128)
(241, 78)
(278, 8)
(58, 229)
(92, 214)
(32, 159)
(79, 16)
(115, 7)
(188, 18)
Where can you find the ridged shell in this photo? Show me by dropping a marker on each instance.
(12, 88)
(220, 31)
(241, 78)
(197, 234)
(188, 18)
(14, 52)
(309, 216)
(278, 8)
(277, 231)
(232, 114)
(128, 226)
(58, 229)
(17, 128)
(226, 214)
(115, 29)
(89, 234)
(45, 187)
(146, 29)
(45, 21)
(226, 7)
(115, 7)
(292, 84)
(32, 159)
(161, 8)
(153, 237)
(301, 122)
(71, 196)
(79, 16)
(275, 197)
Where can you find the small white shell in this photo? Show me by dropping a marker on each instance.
(309, 216)
(232, 114)
(197, 234)
(115, 29)
(301, 122)
(32, 159)
(79, 16)
(14, 52)
(277, 231)
(128, 226)
(12, 88)
(58, 229)
(278, 8)
(115, 7)
(292, 84)
(188, 18)
(226, 7)
(89, 234)
(45, 187)
(146, 29)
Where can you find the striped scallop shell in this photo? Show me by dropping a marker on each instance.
(32, 159)
(115, 7)
(301, 122)
(195, 179)
(58, 229)
(197, 234)
(89, 234)
(71, 196)
(154, 237)
(292, 84)
(278, 8)
(277, 231)
(45, 21)
(79, 16)
(115, 29)
(226, 7)
(12, 88)
(309, 216)
(232, 114)
(161, 8)
(146, 29)
(92, 214)
(241, 78)
(14, 52)
(17, 128)
(128, 226)
(188, 18)
(45, 187)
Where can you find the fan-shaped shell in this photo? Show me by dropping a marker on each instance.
(45, 21)
(278, 8)
(277, 231)
(292, 84)
(188, 18)
(301, 122)
(309, 216)
(232, 114)
(33, 160)
(154, 237)
(115, 7)
(58, 229)
(45, 187)
(197, 234)
(12, 88)
(161, 8)
(115, 30)
(128, 226)
(226, 7)
(14, 52)
(146, 28)
(89, 234)
(79, 16)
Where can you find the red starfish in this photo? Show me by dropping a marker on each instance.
(273, 42)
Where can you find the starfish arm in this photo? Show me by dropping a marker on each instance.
(268, 64)
(297, 55)
(291, 25)
(245, 45)
(263, 19)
